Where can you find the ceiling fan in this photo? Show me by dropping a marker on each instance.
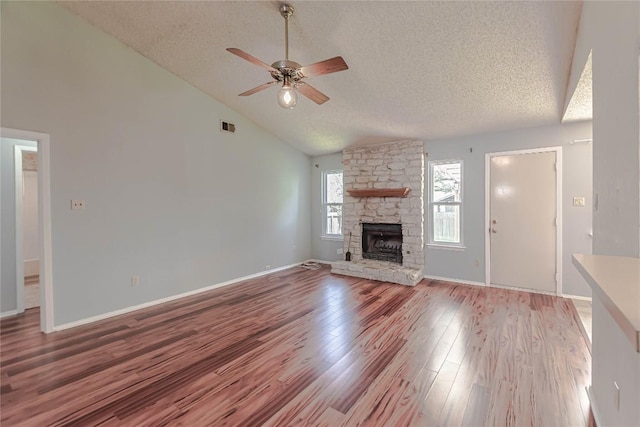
(290, 73)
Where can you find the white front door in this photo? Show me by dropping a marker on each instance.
(522, 228)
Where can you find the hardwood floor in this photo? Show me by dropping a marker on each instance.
(302, 347)
(583, 308)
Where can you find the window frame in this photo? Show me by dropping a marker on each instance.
(432, 204)
(325, 206)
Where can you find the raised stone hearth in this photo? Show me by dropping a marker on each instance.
(378, 270)
(388, 166)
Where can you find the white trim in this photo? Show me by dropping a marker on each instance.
(44, 216)
(576, 297)
(487, 213)
(487, 219)
(430, 203)
(167, 299)
(594, 407)
(31, 267)
(511, 288)
(452, 247)
(559, 220)
(332, 237)
(323, 202)
(8, 313)
(515, 288)
(447, 279)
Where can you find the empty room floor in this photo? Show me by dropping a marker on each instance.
(31, 292)
(302, 347)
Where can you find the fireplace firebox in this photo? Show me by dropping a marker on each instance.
(382, 242)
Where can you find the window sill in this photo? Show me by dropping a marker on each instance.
(333, 238)
(455, 248)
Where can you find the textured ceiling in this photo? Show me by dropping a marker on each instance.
(416, 69)
(581, 105)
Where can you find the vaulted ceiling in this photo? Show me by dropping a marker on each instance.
(418, 69)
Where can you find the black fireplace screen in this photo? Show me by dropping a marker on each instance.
(382, 242)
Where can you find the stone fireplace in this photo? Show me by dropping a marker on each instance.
(384, 186)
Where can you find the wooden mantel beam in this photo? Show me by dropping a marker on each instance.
(380, 192)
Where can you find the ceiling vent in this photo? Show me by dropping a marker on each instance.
(227, 127)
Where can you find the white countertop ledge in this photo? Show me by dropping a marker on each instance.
(615, 281)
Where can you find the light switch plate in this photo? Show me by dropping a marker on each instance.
(579, 202)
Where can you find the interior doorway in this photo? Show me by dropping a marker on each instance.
(13, 261)
(524, 234)
(27, 228)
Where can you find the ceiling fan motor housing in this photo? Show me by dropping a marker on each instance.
(287, 68)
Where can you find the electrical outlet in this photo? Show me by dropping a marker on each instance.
(135, 280)
(267, 267)
(77, 204)
(340, 251)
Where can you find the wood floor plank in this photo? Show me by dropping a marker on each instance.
(439, 392)
(477, 407)
(303, 347)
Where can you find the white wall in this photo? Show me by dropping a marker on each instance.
(322, 249)
(577, 161)
(8, 221)
(30, 235)
(168, 197)
(614, 359)
(612, 31)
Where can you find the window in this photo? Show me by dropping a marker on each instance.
(445, 202)
(332, 204)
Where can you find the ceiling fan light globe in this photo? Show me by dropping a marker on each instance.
(287, 97)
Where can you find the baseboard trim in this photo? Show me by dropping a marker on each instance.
(31, 267)
(448, 279)
(8, 313)
(578, 297)
(531, 291)
(510, 288)
(126, 310)
(594, 407)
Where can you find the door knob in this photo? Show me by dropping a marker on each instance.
(494, 222)
(493, 230)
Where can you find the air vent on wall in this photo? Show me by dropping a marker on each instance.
(227, 127)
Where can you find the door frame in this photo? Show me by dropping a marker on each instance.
(19, 190)
(487, 209)
(44, 218)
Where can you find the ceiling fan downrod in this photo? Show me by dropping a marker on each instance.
(286, 11)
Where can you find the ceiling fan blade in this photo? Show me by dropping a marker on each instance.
(312, 93)
(244, 55)
(327, 66)
(257, 89)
